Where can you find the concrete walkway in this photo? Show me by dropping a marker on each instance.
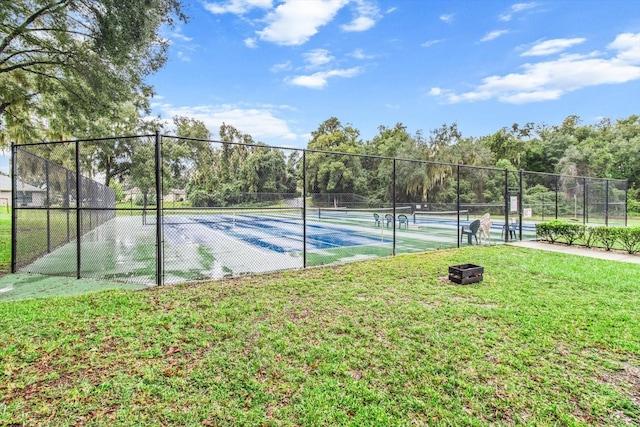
(581, 251)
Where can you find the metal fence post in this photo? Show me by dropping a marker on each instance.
(458, 202)
(68, 203)
(14, 205)
(557, 186)
(78, 213)
(48, 204)
(606, 202)
(159, 243)
(626, 201)
(521, 204)
(506, 205)
(304, 209)
(393, 196)
(584, 200)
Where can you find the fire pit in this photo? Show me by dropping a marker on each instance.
(466, 273)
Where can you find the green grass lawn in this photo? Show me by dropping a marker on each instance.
(545, 339)
(5, 242)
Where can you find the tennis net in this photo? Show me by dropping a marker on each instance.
(218, 215)
(440, 216)
(356, 213)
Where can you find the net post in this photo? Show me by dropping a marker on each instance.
(159, 246)
(78, 213)
(14, 198)
(304, 209)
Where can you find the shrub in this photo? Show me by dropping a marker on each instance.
(630, 239)
(569, 232)
(548, 230)
(606, 235)
(588, 237)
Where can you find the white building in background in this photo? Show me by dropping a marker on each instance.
(26, 194)
(175, 195)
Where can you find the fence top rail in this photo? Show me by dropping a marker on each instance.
(68, 141)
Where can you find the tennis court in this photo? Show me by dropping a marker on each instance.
(213, 243)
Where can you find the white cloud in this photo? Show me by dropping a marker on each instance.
(431, 42)
(317, 57)
(549, 47)
(261, 121)
(359, 54)
(250, 42)
(320, 79)
(361, 23)
(548, 80)
(237, 7)
(285, 66)
(493, 35)
(517, 8)
(447, 18)
(183, 56)
(628, 46)
(179, 41)
(367, 15)
(293, 22)
(177, 35)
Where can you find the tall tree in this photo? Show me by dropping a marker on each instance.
(65, 59)
(335, 173)
(183, 155)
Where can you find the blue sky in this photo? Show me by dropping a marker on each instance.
(277, 69)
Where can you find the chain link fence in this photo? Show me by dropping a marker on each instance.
(158, 209)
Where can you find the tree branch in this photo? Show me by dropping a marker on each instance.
(24, 65)
(21, 28)
(25, 53)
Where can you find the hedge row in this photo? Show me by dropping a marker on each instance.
(607, 237)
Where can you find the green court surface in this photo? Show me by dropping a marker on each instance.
(200, 246)
(26, 286)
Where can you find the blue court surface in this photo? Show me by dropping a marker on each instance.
(282, 235)
(214, 245)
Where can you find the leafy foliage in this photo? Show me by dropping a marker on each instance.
(630, 239)
(570, 232)
(64, 64)
(627, 237)
(548, 230)
(606, 235)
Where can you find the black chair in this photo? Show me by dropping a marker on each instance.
(471, 231)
